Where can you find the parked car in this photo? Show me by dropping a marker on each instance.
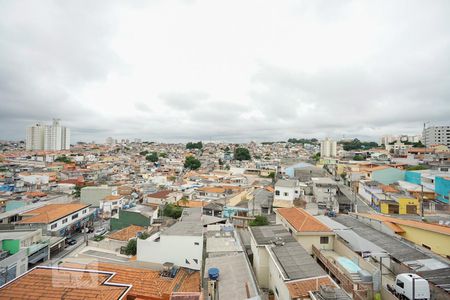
(71, 241)
(100, 231)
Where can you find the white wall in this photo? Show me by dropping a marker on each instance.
(260, 264)
(172, 248)
(276, 282)
(59, 223)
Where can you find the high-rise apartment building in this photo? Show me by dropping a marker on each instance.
(328, 148)
(48, 137)
(436, 135)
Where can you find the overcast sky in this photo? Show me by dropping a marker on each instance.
(224, 70)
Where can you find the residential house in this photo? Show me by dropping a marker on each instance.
(139, 215)
(286, 191)
(325, 193)
(57, 219)
(110, 205)
(305, 228)
(181, 243)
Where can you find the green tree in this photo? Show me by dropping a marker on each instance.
(358, 157)
(356, 144)
(153, 157)
(63, 158)
(259, 221)
(192, 145)
(163, 154)
(77, 191)
(416, 168)
(192, 163)
(242, 154)
(143, 153)
(172, 211)
(131, 247)
(316, 156)
(418, 145)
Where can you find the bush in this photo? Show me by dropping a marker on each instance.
(172, 211)
(131, 247)
(259, 221)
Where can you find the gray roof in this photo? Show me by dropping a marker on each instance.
(440, 278)
(286, 183)
(190, 224)
(265, 235)
(396, 248)
(295, 262)
(234, 275)
(184, 228)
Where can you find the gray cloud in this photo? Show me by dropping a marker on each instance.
(69, 60)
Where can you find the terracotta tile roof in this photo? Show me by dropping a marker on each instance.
(212, 189)
(51, 212)
(416, 224)
(394, 227)
(147, 283)
(112, 197)
(300, 288)
(301, 220)
(388, 189)
(126, 233)
(60, 283)
(160, 194)
(192, 203)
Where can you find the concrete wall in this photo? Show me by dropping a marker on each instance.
(306, 241)
(172, 248)
(439, 243)
(93, 195)
(442, 187)
(260, 264)
(276, 282)
(388, 176)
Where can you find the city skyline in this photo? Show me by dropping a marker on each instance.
(235, 72)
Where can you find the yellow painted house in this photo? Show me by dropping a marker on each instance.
(434, 237)
(401, 206)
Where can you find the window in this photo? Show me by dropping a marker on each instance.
(324, 240)
(114, 203)
(276, 291)
(64, 221)
(277, 193)
(296, 192)
(196, 261)
(187, 262)
(74, 216)
(400, 283)
(53, 226)
(84, 211)
(286, 194)
(196, 243)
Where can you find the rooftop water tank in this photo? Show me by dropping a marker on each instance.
(213, 273)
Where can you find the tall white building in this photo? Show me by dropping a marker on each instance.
(48, 137)
(439, 135)
(328, 148)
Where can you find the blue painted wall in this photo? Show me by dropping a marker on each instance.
(442, 188)
(413, 177)
(388, 176)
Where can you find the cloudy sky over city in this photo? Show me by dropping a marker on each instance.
(168, 70)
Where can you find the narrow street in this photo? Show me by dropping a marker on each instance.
(362, 206)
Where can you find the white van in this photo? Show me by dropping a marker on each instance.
(406, 282)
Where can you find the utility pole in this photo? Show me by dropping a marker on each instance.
(421, 202)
